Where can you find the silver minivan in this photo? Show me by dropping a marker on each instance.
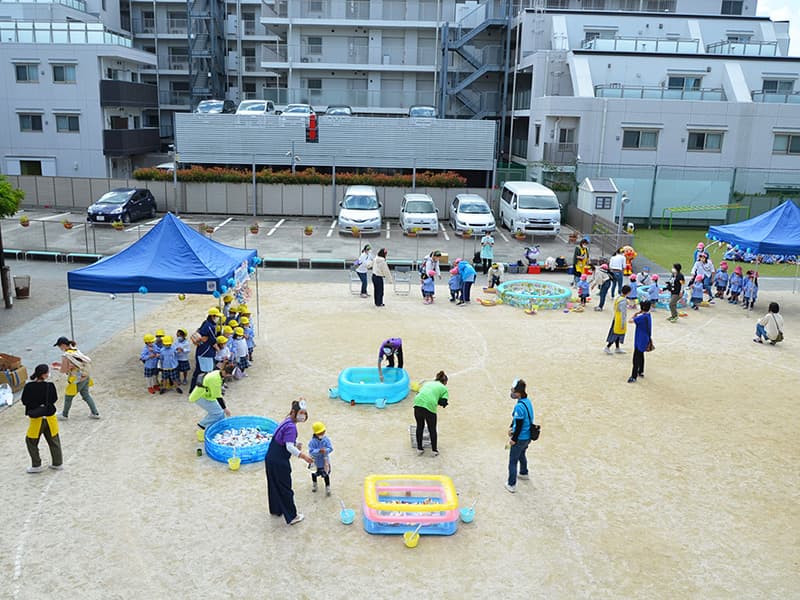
(418, 212)
(360, 208)
(530, 208)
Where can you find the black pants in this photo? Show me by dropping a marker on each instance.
(377, 284)
(425, 417)
(638, 363)
(495, 281)
(363, 278)
(196, 373)
(279, 489)
(323, 474)
(390, 358)
(465, 288)
(53, 441)
(487, 262)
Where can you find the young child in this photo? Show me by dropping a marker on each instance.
(183, 352)
(160, 339)
(644, 277)
(750, 290)
(494, 274)
(226, 306)
(633, 298)
(320, 449)
(249, 336)
(697, 292)
(169, 366)
(454, 284)
(149, 358)
(735, 285)
(428, 287)
(240, 349)
(721, 279)
(653, 291)
(583, 288)
(223, 356)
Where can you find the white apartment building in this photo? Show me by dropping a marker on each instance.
(73, 101)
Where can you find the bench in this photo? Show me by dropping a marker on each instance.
(16, 253)
(280, 262)
(327, 263)
(58, 256)
(407, 263)
(83, 257)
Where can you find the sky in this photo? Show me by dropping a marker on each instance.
(784, 10)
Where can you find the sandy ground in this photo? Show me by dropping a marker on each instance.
(684, 485)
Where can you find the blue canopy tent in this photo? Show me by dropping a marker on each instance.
(774, 232)
(171, 258)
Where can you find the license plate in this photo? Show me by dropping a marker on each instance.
(101, 218)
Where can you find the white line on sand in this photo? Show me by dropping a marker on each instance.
(330, 229)
(278, 224)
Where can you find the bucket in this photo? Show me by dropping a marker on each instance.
(22, 286)
(411, 538)
(414, 386)
(380, 402)
(347, 515)
(234, 462)
(467, 515)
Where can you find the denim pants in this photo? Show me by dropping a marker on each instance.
(517, 455)
(214, 410)
(761, 331)
(83, 390)
(603, 291)
(616, 282)
(363, 278)
(465, 288)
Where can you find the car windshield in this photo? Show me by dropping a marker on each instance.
(538, 202)
(114, 198)
(253, 106)
(297, 109)
(474, 208)
(206, 107)
(422, 111)
(339, 111)
(420, 206)
(360, 203)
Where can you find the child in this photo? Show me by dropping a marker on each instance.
(249, 336)
(224, 356)
(239, 349)
(149, 358)
(583, 288)
(226, 306)
(735, 285)
(721, 279)
(653, 291)
(320, 449)
(632, 296)
(169, 366)
(697, 292)
(428, 287)
(182, 351)
(495, 273)
(750, 290)
(644, 277)
(159, 339)
(455, 284)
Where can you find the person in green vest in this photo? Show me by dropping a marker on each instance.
(431, 395)
(208, 396)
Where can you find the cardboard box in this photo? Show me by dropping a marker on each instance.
(16, 378)
(9, 362)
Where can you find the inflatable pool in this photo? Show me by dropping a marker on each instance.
(532, 293)
(257, 448)
(362, 385)
(643, 293)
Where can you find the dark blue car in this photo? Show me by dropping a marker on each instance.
(122, 204)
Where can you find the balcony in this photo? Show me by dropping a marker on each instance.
(172, 26)
(773, 97)
(126, 93)
(658, 93)
(381, 100)
(388, 10)
(72, 32)
(175, 98)
(643, 44)
(126, 142)
(560, 153)
(74, 4)
(744, 48)
(280, 54)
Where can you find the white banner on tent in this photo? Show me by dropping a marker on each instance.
(211, 286)
(240, 274)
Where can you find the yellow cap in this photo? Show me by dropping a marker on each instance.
(221, 339)
(227, 298)
(218, 329)
(233, 323)
(243, 309)
(227, 330)
(160, 333)
(318, 427)
(244, 321)
(214, 312)
(233, 309)
(149, 338)
(167, 340)
(238, 331)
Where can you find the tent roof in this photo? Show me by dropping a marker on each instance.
(774, 232)
(171, 258)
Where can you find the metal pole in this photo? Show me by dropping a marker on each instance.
(258, 305)
(175, 177)
(333, 188)
(71, 324)
(94, 240)
(504, 93)
(86, 237)
(414, 176)
(44, 234)
(255, 189)
(293, 162)
(133, 311)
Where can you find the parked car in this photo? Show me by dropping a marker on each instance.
(470, 211)
(530, 207)
(122, 204)
(339, 110)
(169, 167)
(297, 110)
(256, 107)
(417, 211)
(215, 107)
(422, 111)
(360, 208)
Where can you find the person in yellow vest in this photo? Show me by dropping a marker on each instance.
(39, 398)
(76, 365)
(208, 395)
(619, 326)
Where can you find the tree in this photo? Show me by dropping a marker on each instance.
(10, 199)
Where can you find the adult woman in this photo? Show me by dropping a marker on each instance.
(580, 258)
(675, 287)
(431, 263)
(76, 366)
(487, 251)
(703, 266)
(519, 434)
(431, 395)
(619, 325)
(468, 274)
(770, 326)
(40, 397)
(208, 396)
(642, 339)
(204, 338)
(283, 446)
(388, 350)
(602, 277)
(380, 274)
(364, 264)
(617, 267)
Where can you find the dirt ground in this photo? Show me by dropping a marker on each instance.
(683, 485)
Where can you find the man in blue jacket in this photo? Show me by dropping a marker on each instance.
(519, 435)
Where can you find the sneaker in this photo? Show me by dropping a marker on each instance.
(597, 308)
(420, 452)
(364, 296)
(758, 340)
(607, 350)
(641, 375)
(297, 519)
(523, 476)
(459, 303)
(511, 488)
(179, 390)
(672, 319)
(57, 467)
(711, 302)
(436, 453)
(94, 416)
(631, 379)
(162, 391)
(38, 469)
(62, 417)
(619, 351)
(313, 486)
(772, 342)
(328, 491)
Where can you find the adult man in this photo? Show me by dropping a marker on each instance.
(204, 339)
(617, 266)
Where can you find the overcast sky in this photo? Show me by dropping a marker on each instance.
(784, 10)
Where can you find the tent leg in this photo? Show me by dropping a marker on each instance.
(258, 305)
(796, 272)
(71, 324)
(133, 311)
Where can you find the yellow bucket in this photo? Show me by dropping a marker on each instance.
(201, 435)
(411, 539)
(234, 462)
(415, 386)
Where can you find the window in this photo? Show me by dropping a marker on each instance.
(602, 203)
(537, 134)
(731, 7)
(640, 139)
(27, 73)
(314, 45)
(64, 73)
(738, 38)
(786, 144)
(30, 122)
(67, 123)
(249, 23)
(30, 167)
(701, 141)
(314, 87)
(778, 86)
(660, 6)
(684, 83)
(594, 4)
(179, 58)
(315, 6)
(557, 4)
(566, 136)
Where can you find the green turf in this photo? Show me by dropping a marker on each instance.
(679, 246)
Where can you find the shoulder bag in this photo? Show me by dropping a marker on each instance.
(779, 338)
(535, 429)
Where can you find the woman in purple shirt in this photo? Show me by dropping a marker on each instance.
(283, 446)
(388, 350)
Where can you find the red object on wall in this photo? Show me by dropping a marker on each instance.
(312, 132)
(534, 269)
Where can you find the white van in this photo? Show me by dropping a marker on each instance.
(360, 208)
(418, 212)
(530, 207)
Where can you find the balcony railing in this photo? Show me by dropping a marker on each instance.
(75, 4)
(560, 153)
(174, 26)
(744, 48)
(643, 44)
(761, 96)
(250, 64)
(73, 32)
(126, 142)
(658, 93)
(173, 98)
(178, 63)
(389, 10)
(280, 52)
(127, 93)
(378, 99)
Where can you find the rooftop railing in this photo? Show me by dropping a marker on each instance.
(33, 32)
(643, 44)
(744, 48)
(658, 93)
(762, 96)
(76, 4)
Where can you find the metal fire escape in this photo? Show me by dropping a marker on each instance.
(206, 32)
(467, 58)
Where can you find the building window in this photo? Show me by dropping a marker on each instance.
(602, 203)
(778, 86)
(660, 6)
(537, 134)
(640, 139)
(313, 45)
(566, 136)
(30, 167)
(249, 23)
(702, 141)
(27, 73)
(732, 7)
(786, 144)
(64, 73)
(30, 122)
(738, 38)
(67, 123)
(557, 4)
(686, 84)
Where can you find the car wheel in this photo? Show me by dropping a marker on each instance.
(126, 218)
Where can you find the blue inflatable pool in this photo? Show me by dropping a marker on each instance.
(247, 454)
(362, 385)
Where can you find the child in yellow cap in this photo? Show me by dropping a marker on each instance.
(223, 356)
(149, 357)
(249, 336)
(169, 366)
(320, 449)
(240, 349)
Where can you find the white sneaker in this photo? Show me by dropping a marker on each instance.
(94, 416)
(57, 467)
(511, 488)
(297, 519)
(420, 452)
(62, 417)
(313, 486)
(436, 453)
(328, 491)
(619, 351)
(607, 350)
(38, 469)
(524, 477)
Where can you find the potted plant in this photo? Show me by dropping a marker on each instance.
(467, 234)
(308, 230)
(209, 229)
(355, 231)
(414, 231)
(67, 224)
(519, 234)
(24, 221)
(118, 225)
(254, 227)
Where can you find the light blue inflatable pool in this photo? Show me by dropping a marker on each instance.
(362, 385)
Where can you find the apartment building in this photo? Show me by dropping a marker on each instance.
(74, 103)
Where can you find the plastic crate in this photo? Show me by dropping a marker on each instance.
(426, 438)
